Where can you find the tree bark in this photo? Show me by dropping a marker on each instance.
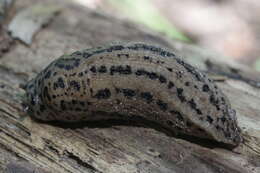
(30, 146)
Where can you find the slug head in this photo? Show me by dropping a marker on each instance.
(34, 102)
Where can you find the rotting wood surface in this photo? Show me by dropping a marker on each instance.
(27, 145)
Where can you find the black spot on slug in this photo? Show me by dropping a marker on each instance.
(147, 96)
(140, 72)
(120, 69)
(214, 101)
(170, 85)
(169, 69)
(162, 79)
(163, 106)
(187, 83)
(60, 83)
(180, 117)
(177, 114)
(223, 119)
(86, 55)
(160, 51)
(67, 63)
(102, 69)
(93, 69)
(193, 105)
(123, 54)
(127, 92)
(146, 57)
(47, 75)
(80, 74)
(198, 111)
(152, 75)
(77, 53)
(209, 119)
(46, 93)
(115, 48)
(103, 94)
(180, 94)
(74, 85)
(190, 69)
(179, 74)
(205, 88)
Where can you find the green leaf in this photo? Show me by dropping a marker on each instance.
(144, 12)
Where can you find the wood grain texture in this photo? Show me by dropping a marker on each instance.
(115, 146)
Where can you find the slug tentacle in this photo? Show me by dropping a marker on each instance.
(133, 79)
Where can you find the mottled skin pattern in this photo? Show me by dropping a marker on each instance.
(133, 79)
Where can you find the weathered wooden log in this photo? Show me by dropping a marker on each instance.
(114, 146)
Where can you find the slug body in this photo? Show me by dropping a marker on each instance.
(128, 80)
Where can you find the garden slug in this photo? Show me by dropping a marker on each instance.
(131, 80)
